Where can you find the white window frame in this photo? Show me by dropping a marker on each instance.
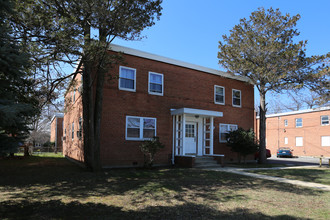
(324, 120)
(325, 141)
(286, 123)
(123, 88)
(301, 123)
(228, 127)
(286, 140)
(156, 93)
(302, 142)
(240, 97)
(215, 93)
(141, 128)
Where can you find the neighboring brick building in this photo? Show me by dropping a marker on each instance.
(307, 132)
(56, 131)
(153, 95)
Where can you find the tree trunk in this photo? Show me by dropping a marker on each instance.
(262, 128)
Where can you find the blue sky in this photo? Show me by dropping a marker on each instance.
(189, 30)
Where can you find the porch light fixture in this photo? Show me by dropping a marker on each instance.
(196, 116)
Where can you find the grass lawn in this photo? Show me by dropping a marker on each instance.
(317, 175)
(53, 188)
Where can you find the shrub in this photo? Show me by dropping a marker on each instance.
(149, 148)
(243, 142)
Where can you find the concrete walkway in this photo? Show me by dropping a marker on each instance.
(241, 171)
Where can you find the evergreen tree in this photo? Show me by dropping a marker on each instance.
(62, 31)
(17, 103)
(263, 49)
(242, 142)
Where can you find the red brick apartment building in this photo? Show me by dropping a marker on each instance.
(56, 131)
(189, 107)
(307, 132)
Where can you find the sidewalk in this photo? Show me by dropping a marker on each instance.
(240, 171)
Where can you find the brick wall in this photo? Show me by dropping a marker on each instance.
(311, 133)
(183, 87)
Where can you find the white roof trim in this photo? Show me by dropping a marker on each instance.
(194, 111)
(298, 112)
(57, 115)
(151, 56)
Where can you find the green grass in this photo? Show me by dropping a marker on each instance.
(53, 188)
(317, 175)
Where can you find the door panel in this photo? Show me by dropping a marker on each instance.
(191, 138)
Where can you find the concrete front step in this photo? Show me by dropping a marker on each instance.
(202, 162)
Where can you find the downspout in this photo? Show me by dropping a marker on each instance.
(173, 144)
(56, 136)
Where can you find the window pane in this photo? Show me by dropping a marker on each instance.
(236, 101)
(233, 127)
(219, 90)
(126, 83)
(219, 98)
(133, 132)
(133, 122)
(149, 126)
(155, 88)
(237, 94)
(127, 73)
(325, 120)
(149, 123)
(223, 137)
(325, 141)
(149, 133)
(155, 78)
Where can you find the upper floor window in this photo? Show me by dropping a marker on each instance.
(127, 79)
(325, 120)
(72, 130)
(224, 129)
(236, 98)
(299, 122)
(140, 128)
(156, 83)
(285, 122)
(219, 95)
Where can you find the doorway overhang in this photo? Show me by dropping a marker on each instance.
(194, 111)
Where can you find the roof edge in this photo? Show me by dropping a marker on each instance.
(298, 112)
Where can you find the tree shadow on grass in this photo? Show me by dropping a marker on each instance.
(58, 178)
(56, 209)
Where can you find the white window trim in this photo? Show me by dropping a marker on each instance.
(141, 128)
(156, 93)
(126, 89)
(322, 141)
(228, 129)
(286, 122)
(240, 98)
(322, 120)
(224, 95)
(301, 123)
(302, 141)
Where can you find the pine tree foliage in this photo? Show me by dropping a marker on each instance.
(17, 100)
(242, 142)
(79, 33)
(263, 48)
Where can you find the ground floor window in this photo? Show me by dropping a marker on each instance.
(286, 140)
(140, 128)
(325, 141)
(299, 142)
(224, 130)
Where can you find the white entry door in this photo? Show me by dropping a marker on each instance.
(191, 138)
